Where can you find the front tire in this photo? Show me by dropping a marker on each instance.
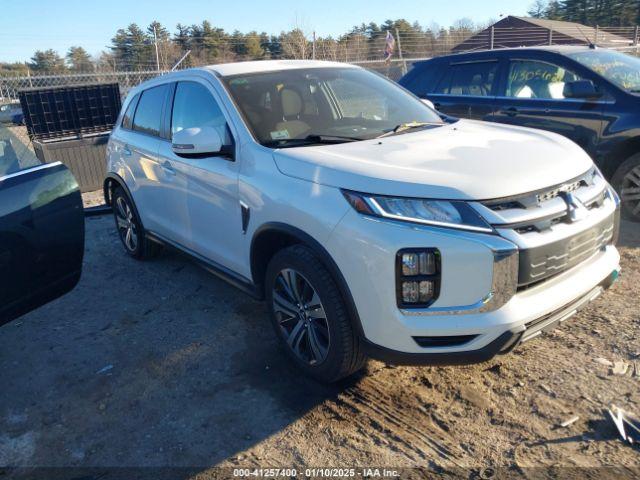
(130, 227)
(310, 317)
(626, 181)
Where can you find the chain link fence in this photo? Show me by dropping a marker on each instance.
(360, 50)
(357, 49)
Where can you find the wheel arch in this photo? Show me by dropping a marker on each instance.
(618, 156)
(111, 182)
(272, 237)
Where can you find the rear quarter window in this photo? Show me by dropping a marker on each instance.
(127, 119)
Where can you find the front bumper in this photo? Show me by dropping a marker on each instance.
(505, 343)
(471, 305)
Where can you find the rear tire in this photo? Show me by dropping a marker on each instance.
(310, 317)
(626, 181)
(130, 229)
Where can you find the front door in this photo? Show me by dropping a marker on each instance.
(467, 90)
(533, 97)
(212, 224)
(41, 234)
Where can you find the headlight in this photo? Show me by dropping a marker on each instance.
(440, 213)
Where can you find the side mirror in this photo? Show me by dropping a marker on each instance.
(580, 89)
(196, 140)
(428, 103)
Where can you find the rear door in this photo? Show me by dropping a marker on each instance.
(138, 141)
(41, 232)
(531, 96)
(467, 89)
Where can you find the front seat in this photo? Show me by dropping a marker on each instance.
(291, 109)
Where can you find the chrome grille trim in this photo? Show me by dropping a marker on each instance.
(540, 210)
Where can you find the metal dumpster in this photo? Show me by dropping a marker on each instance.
(72, 125)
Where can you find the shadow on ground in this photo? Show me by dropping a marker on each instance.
(144, 363)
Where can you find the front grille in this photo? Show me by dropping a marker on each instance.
(558, 227)
(539, 211)
(566, 188)
(540, 263)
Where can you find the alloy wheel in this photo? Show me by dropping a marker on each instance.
(630, 191)
(126, 224)
(301, 317)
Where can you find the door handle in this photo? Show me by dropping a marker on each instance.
(166, 165)
(511, 111)
(126, 151)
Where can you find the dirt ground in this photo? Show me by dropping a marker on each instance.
(159, 364)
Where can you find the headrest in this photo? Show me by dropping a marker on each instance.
(291, 103)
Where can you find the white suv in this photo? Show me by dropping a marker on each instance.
(371, 226)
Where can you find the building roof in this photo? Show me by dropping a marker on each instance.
(577, 30)
(241, 68)
(515, 31)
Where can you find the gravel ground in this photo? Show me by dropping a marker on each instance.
(159, 364)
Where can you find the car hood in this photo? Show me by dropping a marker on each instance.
(466, 160)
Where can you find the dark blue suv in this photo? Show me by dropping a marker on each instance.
(587, 94)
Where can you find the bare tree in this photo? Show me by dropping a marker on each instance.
(295, 44)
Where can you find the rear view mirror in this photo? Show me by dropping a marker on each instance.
(196, 141)
(428, 103)
(580, 89)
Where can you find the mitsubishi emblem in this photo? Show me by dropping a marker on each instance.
(575, 208)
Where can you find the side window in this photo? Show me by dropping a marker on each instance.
(127, 119)
(15, 152)
(194, 106)
(534, 79)
(469, 79)
(149, 112)
(420, 80)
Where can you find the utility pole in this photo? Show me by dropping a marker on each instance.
(551, 36)
(404, 64)
(29, 75)
(313, 46)
(492, 37)
(155, 40)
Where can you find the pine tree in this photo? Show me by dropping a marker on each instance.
(47, 61)
(79, 60)
(132, 48)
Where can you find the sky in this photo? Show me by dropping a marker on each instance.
(30, 25)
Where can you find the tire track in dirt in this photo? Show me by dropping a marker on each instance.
(383, 418)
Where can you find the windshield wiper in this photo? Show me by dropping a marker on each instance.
(407, 126)
(312, 139)
(331, 138)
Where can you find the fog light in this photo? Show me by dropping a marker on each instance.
(417, 277)
(422, 263)
(427, 263)
(417, 292)
(410, 265)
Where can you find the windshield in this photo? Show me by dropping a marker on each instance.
(618, 68)
(307, 106)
